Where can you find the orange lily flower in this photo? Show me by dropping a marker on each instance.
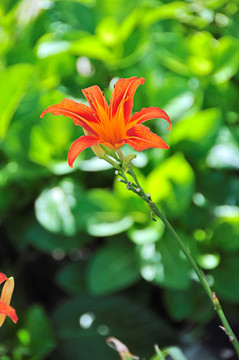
(6, 295)
(111, 125)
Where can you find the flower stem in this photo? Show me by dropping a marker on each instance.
(217, 306)
(136, 188)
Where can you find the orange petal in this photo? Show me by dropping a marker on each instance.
(141, 138)
(123, 95)
(2, 277)
(81, 114)
(79, 145)
(147, 114)
(96, 99)
(7, 310)
(6, 296)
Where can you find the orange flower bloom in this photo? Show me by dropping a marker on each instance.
(6, 295)
(111, 125)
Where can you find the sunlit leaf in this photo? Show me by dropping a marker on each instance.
(171, 10)
(171, 184)
(207, 123)
(63, 209)
(163, 264)
(14, 80)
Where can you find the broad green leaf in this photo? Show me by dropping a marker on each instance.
(112, 268)
(63, 209)
(225, 153)
(171, 184)
(164, 264)
(172, 52)
(108, 32)
(44, 240)
(99, 226)
(15, 81)
(82, 321)
(199, 129)
(175, 353)
(45, 146)
(106, 200)
(40, 330)
(91, 46)
(226, 59)
(71, 277)
(226, 229)
(226, 279)
(171, 10)
(190, 304)
(53, 211)
(201, 47)
(149, 234)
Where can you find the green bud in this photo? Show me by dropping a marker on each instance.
(110, 152)
(127, 160)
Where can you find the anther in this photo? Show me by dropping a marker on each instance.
(137, 190)
(149, 196)
(116, 172)
(119, 179)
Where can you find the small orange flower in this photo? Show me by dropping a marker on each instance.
(111, 125)
(6, 295)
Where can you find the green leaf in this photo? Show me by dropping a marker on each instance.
(171, 10)
(99, 226)
(47, 241)
(172, 184)
(164, 264)
(198, 130)
(112, 268)
(108, 32)
(14, 80)
(63, 209)
(82, 321)
(226, 229)
(40, 330)
(190, 304)
(226, 279)
(225, 153)
(91, 46)
(45, 146)
(53, 211)
(226, 59)
(71, 277)
(149, 234)
(175, 353)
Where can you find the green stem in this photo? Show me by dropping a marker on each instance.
(217, 306)
(159, 353)
(185, 250)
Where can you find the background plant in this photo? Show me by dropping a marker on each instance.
(87, 259)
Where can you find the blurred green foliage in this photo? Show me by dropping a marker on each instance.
(88, 260)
